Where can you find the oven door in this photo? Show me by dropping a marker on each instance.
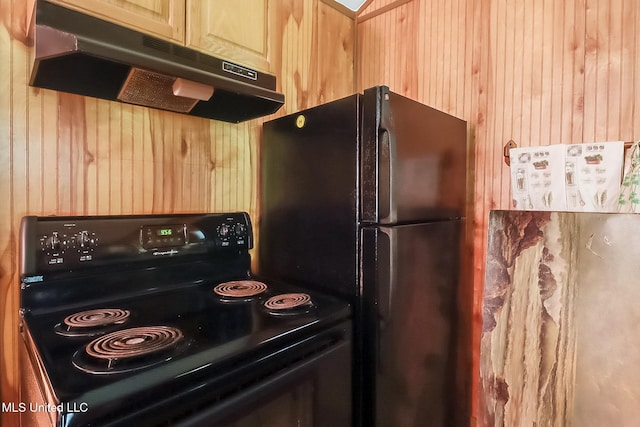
(314, 390)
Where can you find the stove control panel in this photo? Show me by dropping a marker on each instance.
(66, 243)
(58, 243)
(231, 233)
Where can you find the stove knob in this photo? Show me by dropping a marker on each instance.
(223, 231)
(82, 239)
(53, 242)
(240, 230)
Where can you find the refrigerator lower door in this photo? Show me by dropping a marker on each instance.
(410, 275)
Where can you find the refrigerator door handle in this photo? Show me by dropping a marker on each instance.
(385, 272)
(385, 178)
(377, 267)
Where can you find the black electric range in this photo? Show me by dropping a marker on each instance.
(157, 320)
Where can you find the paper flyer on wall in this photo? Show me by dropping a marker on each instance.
(594, 173)
(537, 178)
(577, 177)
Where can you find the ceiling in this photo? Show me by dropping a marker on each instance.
(351, 4)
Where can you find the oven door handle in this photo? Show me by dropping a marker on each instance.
(236, 404)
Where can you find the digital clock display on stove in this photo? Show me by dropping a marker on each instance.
(163, 236)
(165, 232)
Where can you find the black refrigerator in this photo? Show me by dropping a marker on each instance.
(364, 198)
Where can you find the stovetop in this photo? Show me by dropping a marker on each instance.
(216, 333)
(159, 273)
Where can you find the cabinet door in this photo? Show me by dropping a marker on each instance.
(164, 19)
(228, 29)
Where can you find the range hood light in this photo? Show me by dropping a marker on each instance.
(189, 89)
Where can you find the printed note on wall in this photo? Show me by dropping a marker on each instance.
(578, 177)
(537, 178)
(594, 173)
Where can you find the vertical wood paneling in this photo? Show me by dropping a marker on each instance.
(64, 154)
(611, 70)
(394, 52)
(9, 378)
(478, 89)
(335, 50)
(377, 6)
(295, 29)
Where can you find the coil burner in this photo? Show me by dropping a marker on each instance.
(289, 304)
(92, 322)
(129, 350)
(240, 290)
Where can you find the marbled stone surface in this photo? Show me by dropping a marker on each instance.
(560, 344)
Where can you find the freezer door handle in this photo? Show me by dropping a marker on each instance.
(385, 180)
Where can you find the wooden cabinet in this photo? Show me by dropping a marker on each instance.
(228, 30)
(164, 19)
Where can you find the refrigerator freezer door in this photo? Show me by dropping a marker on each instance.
(410, 276)
(413, 160)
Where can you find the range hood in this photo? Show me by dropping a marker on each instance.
(84, 55)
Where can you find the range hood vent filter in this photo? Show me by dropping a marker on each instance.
(80, 54)
(155, 90)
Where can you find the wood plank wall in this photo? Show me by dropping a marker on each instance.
(63, 154)
(537, 73)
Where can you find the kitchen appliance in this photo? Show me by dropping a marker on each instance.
(364, 198)
(157, 320)
(84, 55)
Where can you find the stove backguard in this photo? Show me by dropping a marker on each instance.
(58, 244)
(58, 251)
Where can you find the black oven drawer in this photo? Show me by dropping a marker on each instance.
(313, 390)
